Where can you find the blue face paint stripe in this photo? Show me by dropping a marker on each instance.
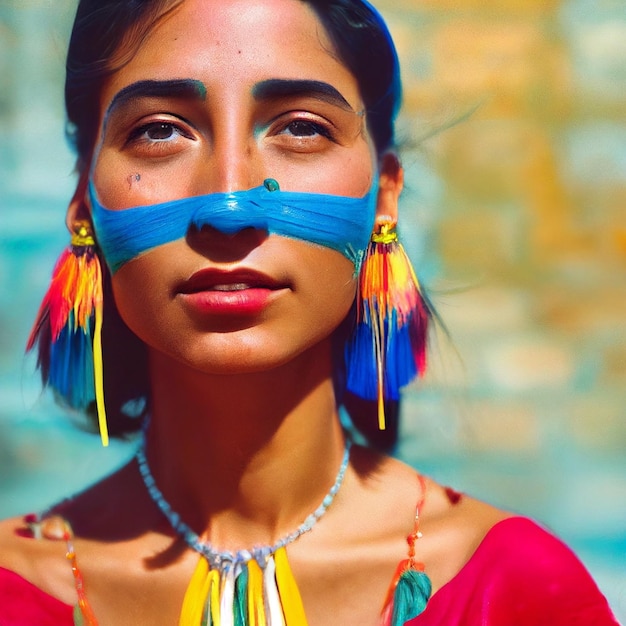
(337, 222)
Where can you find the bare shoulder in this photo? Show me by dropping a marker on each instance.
(37, 552)
(449, 510)
(389, 492)
(442, 509)
(17, 549)
(452, 524)
(40, 562)
(11, 542)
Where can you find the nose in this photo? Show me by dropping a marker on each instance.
(222, 248)
(233, 165)
(232, 209)
(235, 169)
(235, 162)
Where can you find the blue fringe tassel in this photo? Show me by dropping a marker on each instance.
(411, 596)
(70, 371)
(399, 370)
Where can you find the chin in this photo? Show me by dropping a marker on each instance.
(239, 354)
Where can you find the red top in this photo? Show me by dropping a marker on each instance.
(520, 575)
(23, 604)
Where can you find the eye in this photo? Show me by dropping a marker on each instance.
(157, 132)
(160, 132)
(306, 128)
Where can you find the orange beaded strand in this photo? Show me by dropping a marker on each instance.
(89, 618)
(56, 528)
(409, 563)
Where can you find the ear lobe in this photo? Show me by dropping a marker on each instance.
(391, 182)
(78, 208)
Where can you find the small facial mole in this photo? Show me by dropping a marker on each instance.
(133, 178)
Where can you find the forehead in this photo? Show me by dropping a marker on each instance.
(232, 45)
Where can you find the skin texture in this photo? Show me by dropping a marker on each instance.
(244, 438)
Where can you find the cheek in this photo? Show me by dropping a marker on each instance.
(138, 299)
(347, 173)
(122, 182)
(330, 286)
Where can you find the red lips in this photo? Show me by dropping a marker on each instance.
(229, 292)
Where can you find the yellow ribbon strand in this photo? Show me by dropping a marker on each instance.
(195, 596)
(256, 609)
(99, 376)
(290, 598)
(215, 583)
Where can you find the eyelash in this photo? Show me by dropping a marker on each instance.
(316, 127)
(137, 134)
(316, 131)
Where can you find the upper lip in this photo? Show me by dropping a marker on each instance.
(207, 279)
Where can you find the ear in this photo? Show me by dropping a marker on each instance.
(78, 208)
(391, 182)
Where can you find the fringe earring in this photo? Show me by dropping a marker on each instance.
(68, 327)
(387, 349)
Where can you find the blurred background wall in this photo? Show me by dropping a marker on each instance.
(514, 139)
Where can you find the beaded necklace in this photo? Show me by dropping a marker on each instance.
(254, 586)
(254, 590)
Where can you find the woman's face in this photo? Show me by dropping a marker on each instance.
(222, 95)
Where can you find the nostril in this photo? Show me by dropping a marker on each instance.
(219, 246)
(211, 231)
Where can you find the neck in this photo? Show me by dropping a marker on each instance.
(244, 458)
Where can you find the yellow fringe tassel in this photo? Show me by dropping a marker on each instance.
(87, 281)
(99, 376)
(214, 581)
(293, 608)
(196, 595)
(204, 594)
(256, 609)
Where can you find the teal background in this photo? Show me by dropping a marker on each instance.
(514, 217)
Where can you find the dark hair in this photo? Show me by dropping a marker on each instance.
(107, 34)
(364, 45)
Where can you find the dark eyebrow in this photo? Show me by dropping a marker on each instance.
(275, 88)
(177, 88)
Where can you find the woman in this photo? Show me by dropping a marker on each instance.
(196, 123)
